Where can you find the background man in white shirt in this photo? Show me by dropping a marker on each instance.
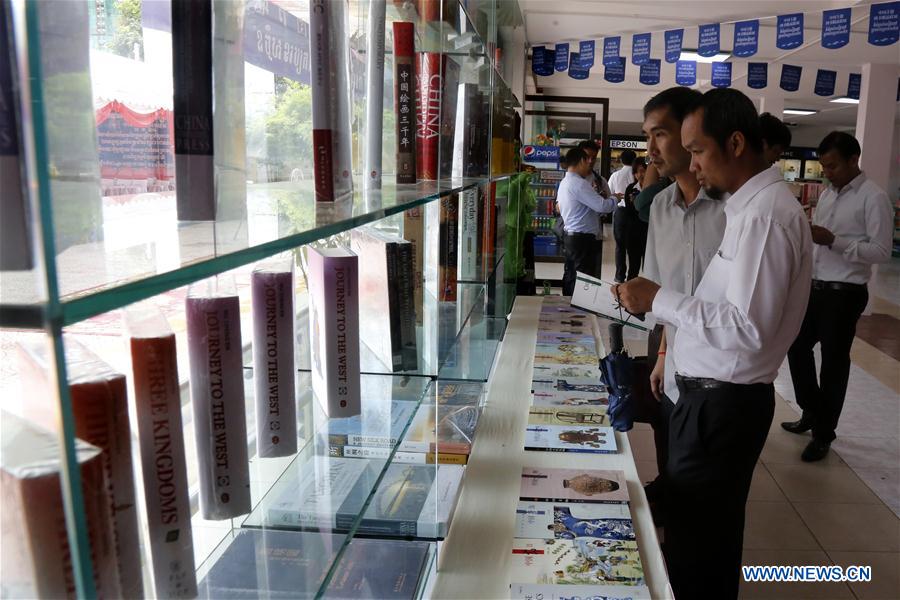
(733, 334)
(598, 181)
(621, 179)
(852, 230)
(580, 207)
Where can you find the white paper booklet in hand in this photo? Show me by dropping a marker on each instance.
(593, 295)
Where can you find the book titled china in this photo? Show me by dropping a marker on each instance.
(157, 401)
(573, 485)
(555, 520)
(334, 329)
(578, 561)
(383, 569)
(405, 100)
(438, 83)
(217, 396)
(570, 438)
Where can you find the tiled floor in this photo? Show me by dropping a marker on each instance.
(844, 510)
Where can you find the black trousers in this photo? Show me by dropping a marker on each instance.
(830, 320)
(630, 234)
(584, 253)
(715, 439)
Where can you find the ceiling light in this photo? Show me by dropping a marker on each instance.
(845, 100)
(692, 55)
(802, 112)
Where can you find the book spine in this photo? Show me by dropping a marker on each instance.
(430, 71)
(447, 252)
(161, 436)
(489, 233)
(362, 451)
(579, 450)
(414, 233)
(569, 500)
(468, 239)
(374, 93)
(404, 100)
(393, 270)
(449, 95)
(377, 441)
(217, 396)
(408, 308)
(272, 295)
(192, 69)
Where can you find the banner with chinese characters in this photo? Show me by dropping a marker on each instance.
(746, 38)
(640, 48)
(836, 28)
(721, 74)
(884, 23)
(586, 54)
(611, 51)
(686, 72)
(789, 31)
(708, 40)
(674, 39)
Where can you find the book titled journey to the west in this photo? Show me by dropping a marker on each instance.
(271, 564)
(380, 426)
(573, 485)
(334, 329)
(272, 296)
(554, 520)
(570, 438)
(547, 591)
(217, 395)
(405, 100)
(36, 557)
(578, 561)
(383, 569)
(99, 397)
(157, 401)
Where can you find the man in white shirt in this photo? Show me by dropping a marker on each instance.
(733, 333)
(580, 207)
(852, 230)
(598, 181)
(621, 179)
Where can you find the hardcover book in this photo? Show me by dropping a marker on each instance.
(579, 416)
(375, 42)
(384, 453)
(468, 235)
(271, 564)
(550, 520)
(414, 233)
(465, 136)
(534, 591)
(272, 296)
(573, 485)
(217, 396)
(488, 195)
(334, 329)
(157, 401)
(449, 93)
(441, 259)
(380, 426)
(383, 569)
(453, 433)
(406, 286)
(438, 77)
(579, 561)
(36, 557)
(570, 438)
(405, 100)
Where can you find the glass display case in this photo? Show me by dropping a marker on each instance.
(234, 384)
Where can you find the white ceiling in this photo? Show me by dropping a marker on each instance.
(550, 21)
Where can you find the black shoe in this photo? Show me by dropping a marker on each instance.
(801, 426)
(815, 450)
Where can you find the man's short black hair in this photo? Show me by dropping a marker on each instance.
(627, 157)
(726, 110)
(774, 132)
(588, 145)
(843, 142)
(575, 156)
(680, 101)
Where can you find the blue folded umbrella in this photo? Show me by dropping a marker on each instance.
(616, 373)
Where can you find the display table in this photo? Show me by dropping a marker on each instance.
(474, 561)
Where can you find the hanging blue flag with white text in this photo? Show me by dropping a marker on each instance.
(789, 32)
(541, 61)
(746, 38)
(835, 28)
(674, 42)
(640, 48)
(884, 23)
(576, 70)
(825, 82)
(611, 50)
(586, 54)
(615, 73)
(721, 74)
(686, 72)
(757, 75)
(854, 84)
(708, 40)
(562, 57)
(790, 77)
(650, 72)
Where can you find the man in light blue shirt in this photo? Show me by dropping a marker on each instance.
(579, 206)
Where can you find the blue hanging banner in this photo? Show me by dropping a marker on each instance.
(757, 75)
(576, 70)
(615, 73)
(746, 38)
(611, 51)
(789, 33)
(586, 54)
(708, 40)
(854, 84)
(790, 78)
(562, 57)
(650, 72)
(835, 28)
(686, 72)
(541, 61)
(825, 82)
(721, 74)
(674, 41)
(884, 23)
(640, 48)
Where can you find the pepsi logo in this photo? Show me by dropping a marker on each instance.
(529, 151)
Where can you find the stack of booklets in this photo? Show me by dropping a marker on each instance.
(575, 537)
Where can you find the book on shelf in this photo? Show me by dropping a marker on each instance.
(217, 396)
(157, 401)
(99, 396)
(580, 561)
(573, 485)
(384, 453)
(272, 299)
(441, 250)
(556, 520)
(267, 563)
(383, 569)
(469, 238)
(414, 233)
(334, 329)
(36, 558)
(405, 100)
(438, 83)
(489, 211)
(375, 43)
(570, 438)
(379, 426)
(467, 123)
(441, 428)
(580, 415)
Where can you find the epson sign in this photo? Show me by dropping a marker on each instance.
(541, 154)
